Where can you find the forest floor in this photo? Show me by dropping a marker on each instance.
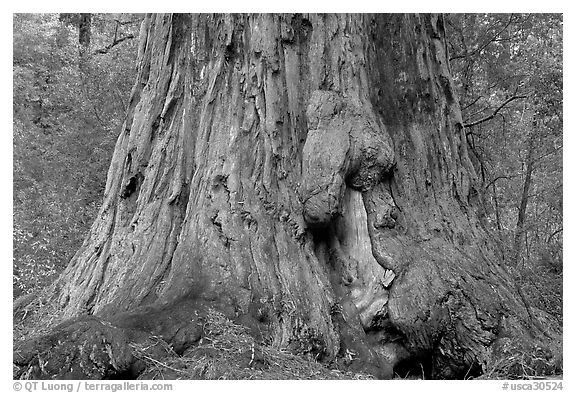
(226, 351)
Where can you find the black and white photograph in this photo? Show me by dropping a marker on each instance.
(286, 196)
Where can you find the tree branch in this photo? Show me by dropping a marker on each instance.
(502, 177)
(490, 117)
(125, 22)
(554, 234)
(482, 47)
(472, 103)
(116, 41)
(554, 150)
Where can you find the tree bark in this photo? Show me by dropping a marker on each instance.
(309, 171)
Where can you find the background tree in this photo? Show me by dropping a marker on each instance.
(307, 175)
(509, 72)
(66, 121)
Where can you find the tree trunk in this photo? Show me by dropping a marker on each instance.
(84, 39)
(521, 222)
(84, 31)
(496, 208)
(307, 171)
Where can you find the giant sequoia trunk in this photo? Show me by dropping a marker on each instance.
(308, 173)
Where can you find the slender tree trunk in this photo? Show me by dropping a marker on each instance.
(497, 208)
(84, 31)
(521, 222)
(309, 172)
(84, 39)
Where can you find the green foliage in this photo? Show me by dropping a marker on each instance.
(67, 113)
(516, 59)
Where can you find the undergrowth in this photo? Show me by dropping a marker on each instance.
(35, 317)
(512, 361)
(228, 351)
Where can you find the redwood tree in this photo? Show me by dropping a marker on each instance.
(307, 174)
